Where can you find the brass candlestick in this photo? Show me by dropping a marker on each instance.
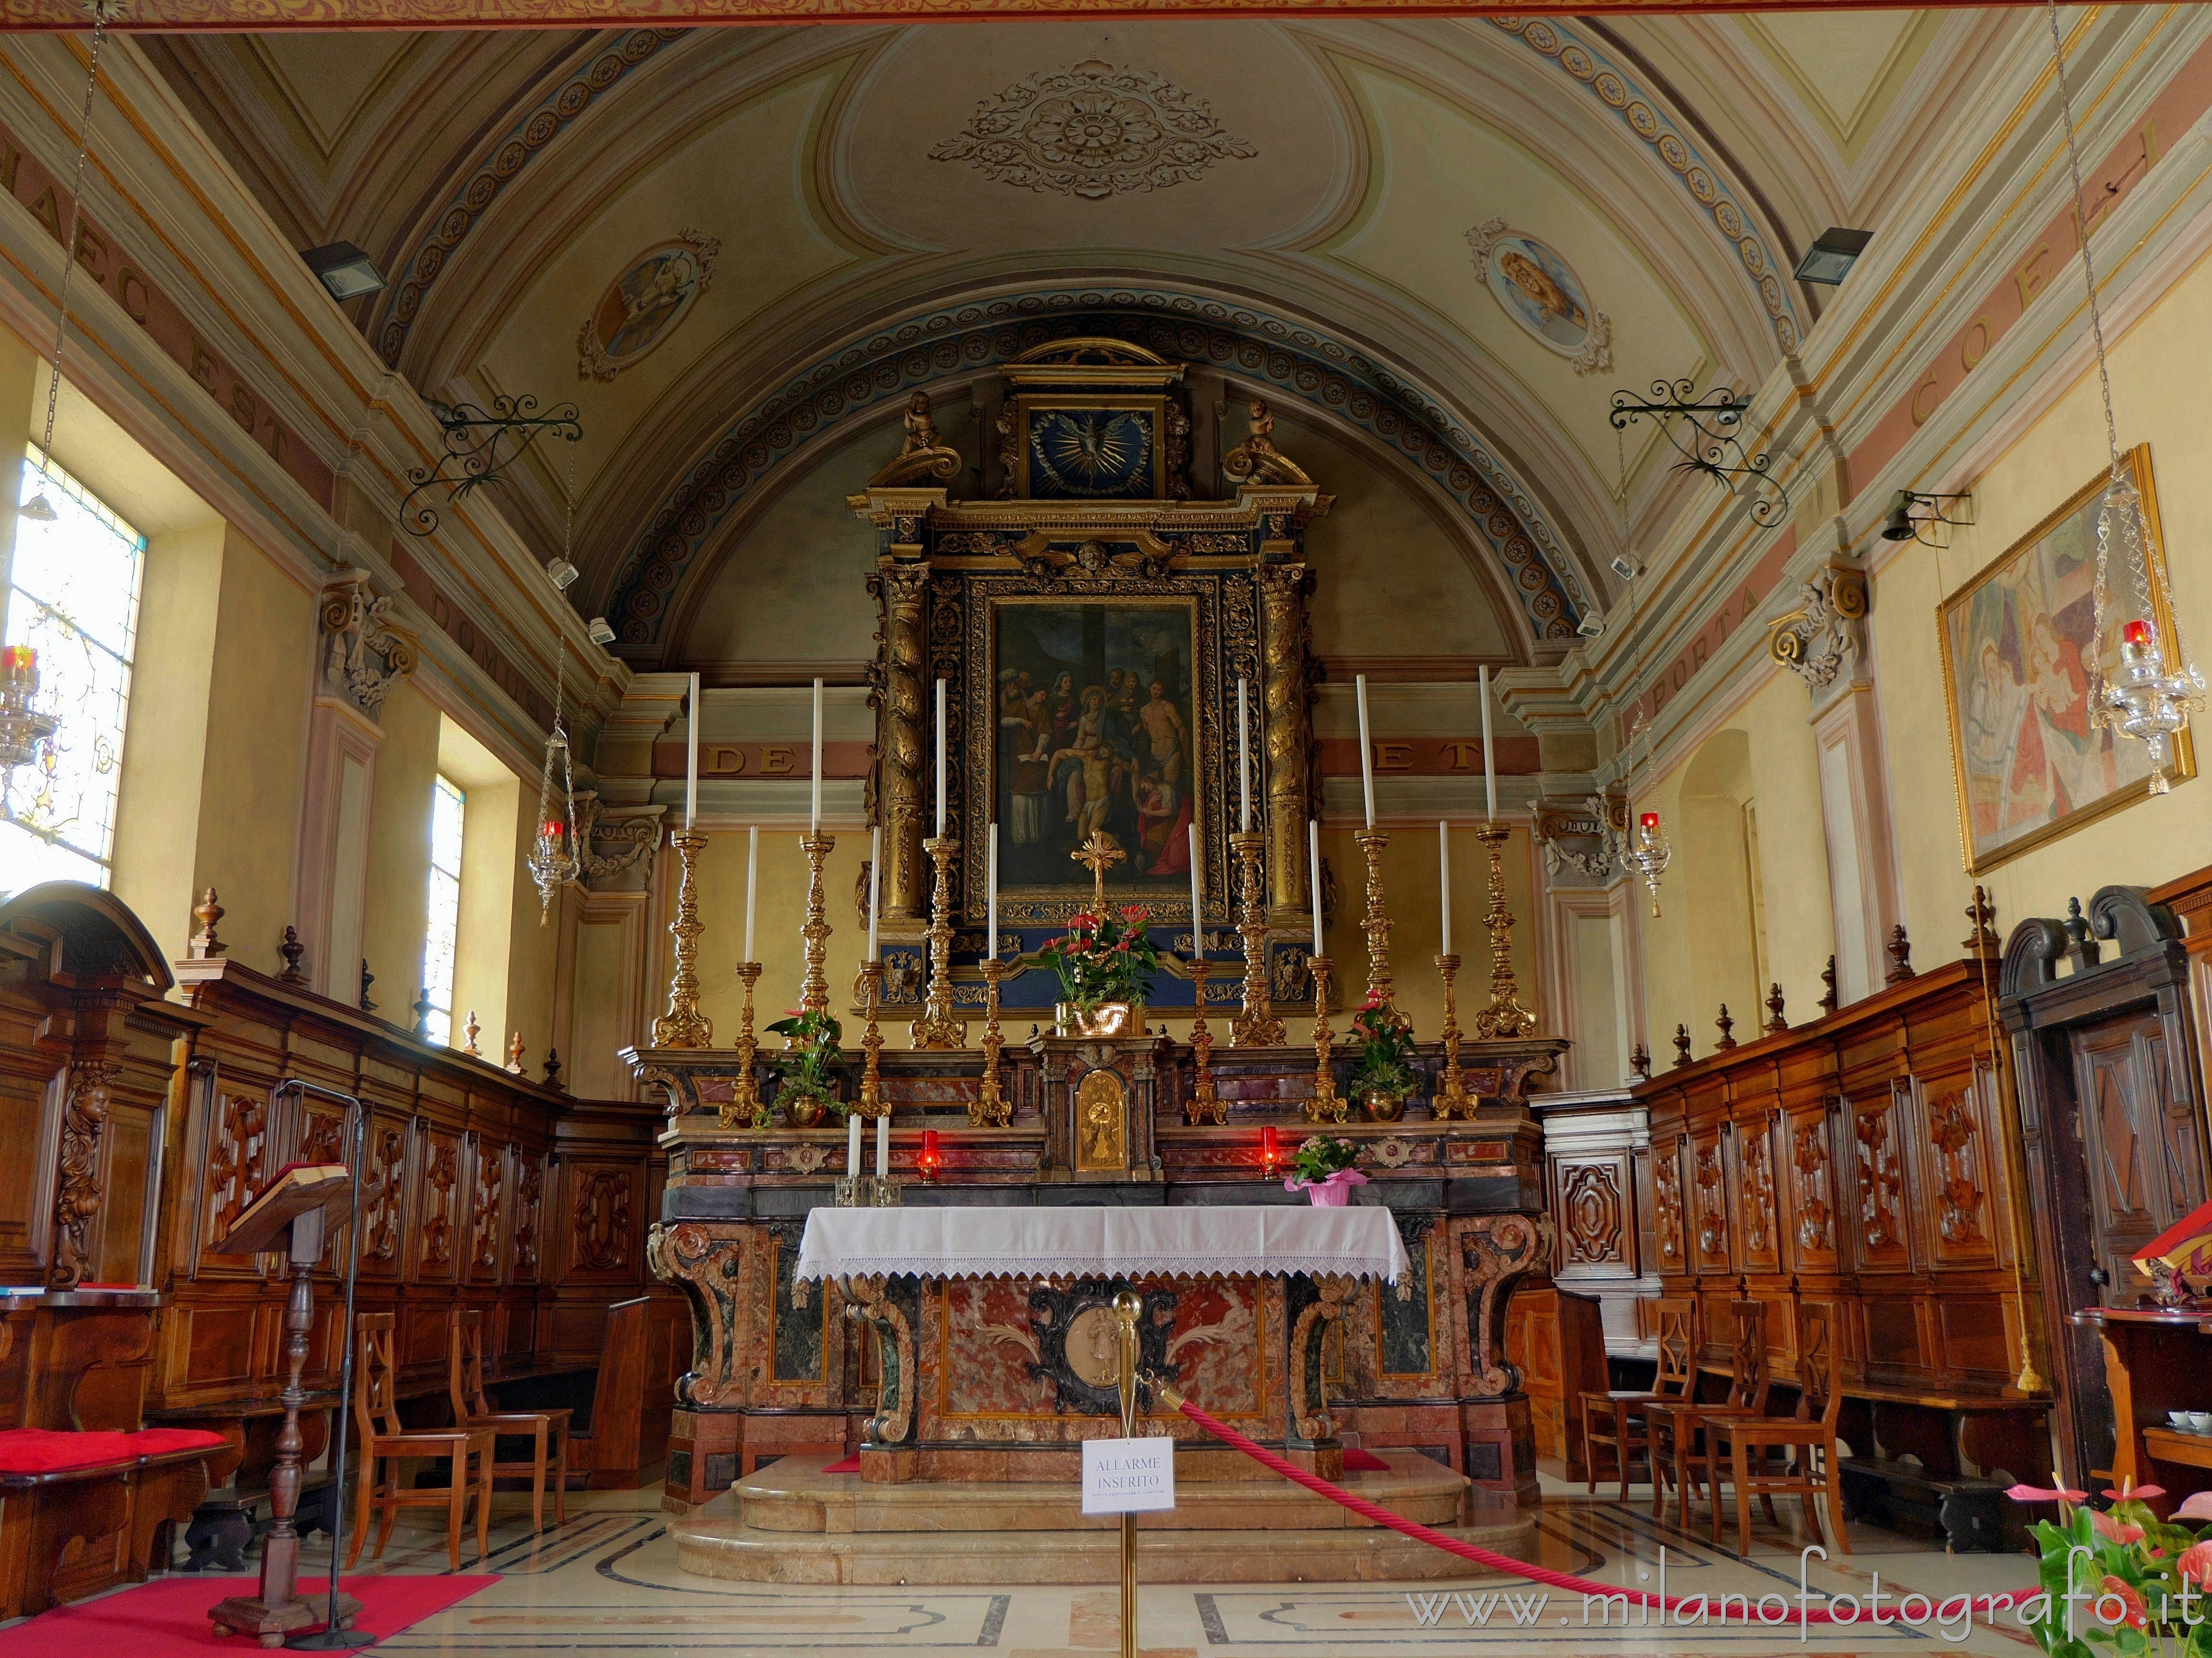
(937, 1028)
(1204, 1104)
(744, 1109)
(1452, 1099)
(814, 989)
(1257, 1026)
(684, 1026)
(871, 1105)
(1326, 1105)
(991, 1109)
(1376, 922)
(1504, 1017)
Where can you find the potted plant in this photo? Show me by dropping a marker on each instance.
(809, 1067)
(1105, 965)
(1323, 1168)
(2138, 1582)
(1385, 1075)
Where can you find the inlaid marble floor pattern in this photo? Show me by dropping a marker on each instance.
(607, 1581)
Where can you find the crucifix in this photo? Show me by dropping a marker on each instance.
(1097, 854)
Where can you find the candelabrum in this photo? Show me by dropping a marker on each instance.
(1257, 1026)
(814, 989)
(2145, 701)
(1376, 923)
(1452, 1097)
(1644, 852)
(1504, 1017)
(991, 1108)
(684, 1026)
(1204, 1104)
(871, 1105)
(744, 1109)
(937, 1028)
(1326, 1104)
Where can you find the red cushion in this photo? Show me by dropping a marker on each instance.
(850, 1465)
(47, 1451)
(1356, 1461)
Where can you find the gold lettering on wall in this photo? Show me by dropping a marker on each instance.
(1970, 353)
(1931, 384)
(1393, 757)
(2031, 276)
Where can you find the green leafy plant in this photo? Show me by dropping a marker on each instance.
(1386, 1048)
(2138, 1582)
(1103, 958)
(809, 1069)
(1322, 1155)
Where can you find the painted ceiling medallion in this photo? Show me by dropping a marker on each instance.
(643, 305)
(1541, 291)
(1092, 130)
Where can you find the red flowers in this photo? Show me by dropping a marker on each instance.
(2133, 1613)
(1134, 914)
(2037, 1494)
(2115, 1531)
(2195, 1564)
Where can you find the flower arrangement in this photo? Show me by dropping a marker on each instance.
(1104, 958)
(1320, 1156)
(809, 1068)
(1386, 1048)
(2119, 1583)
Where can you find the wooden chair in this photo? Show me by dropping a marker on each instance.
(386, 1445)
(1747, 1446)
(547, 1430)
(1680, 1441)
(1616, 1419)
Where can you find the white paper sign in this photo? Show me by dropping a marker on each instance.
(1128, 1476)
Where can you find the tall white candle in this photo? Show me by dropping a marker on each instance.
(884, 1144)
(1489, 770)
(852, 1143)
(940, 759)
(1443, 877)
(691, 758)
(991, 890)
(752, 884)
(875, 883)
(1366, 750)
(1197, 899)
(814, 812)
(1313, 869)
(1244, 762)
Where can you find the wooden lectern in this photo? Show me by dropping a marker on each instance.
(293, 1215)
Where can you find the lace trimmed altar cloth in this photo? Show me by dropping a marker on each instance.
(1231, 1241)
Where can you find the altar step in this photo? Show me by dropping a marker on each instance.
(792, 1523)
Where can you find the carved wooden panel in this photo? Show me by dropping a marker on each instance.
(601, 1218)
(529, 1245)
(1758, 1224)
(384, 1201)
(1958, 1177)
(487, 1187)
(1593, 1215)
(322, 1137)
(1708, 1202)
(237, 1140)
(1812, 1189)
(439, 1243)
(1880, 1181)
(1670, 1235)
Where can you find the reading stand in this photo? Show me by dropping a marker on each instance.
(293, 1215)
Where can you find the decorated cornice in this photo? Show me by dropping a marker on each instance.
(1346, 383)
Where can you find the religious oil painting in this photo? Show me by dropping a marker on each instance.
(2018, 643)
(643, 305)
(1095, 735)
(1541, 291)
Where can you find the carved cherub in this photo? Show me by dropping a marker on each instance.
(922, 457)
(1257, 459)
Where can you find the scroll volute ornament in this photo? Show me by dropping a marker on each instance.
(363, 654)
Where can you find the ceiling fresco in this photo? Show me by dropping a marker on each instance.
(1446, 241)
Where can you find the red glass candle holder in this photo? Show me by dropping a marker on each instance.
(1271, 1150)
(931, 1160)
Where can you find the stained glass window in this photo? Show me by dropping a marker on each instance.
(448, 806)
(72, 596)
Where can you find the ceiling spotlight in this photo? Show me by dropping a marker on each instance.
(562, 573)
(1627, 569)
(601, 633)
(1592, 625)
(343, 270)
(1901, 523)
(1833, 252)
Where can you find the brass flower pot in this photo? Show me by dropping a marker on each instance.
(1106, 1021)
(803, 1109)
(1383, 1104)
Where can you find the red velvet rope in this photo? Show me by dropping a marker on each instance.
(1480, 1557)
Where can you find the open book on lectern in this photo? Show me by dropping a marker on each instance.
(298, 1189)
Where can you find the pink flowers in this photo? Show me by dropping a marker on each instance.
(2196, 1563)
(2115, 1531)
(2037, 1494)
(2196, 1506)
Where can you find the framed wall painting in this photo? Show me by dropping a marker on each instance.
(2029, 764)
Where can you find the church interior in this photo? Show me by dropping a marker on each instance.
(1174, 828)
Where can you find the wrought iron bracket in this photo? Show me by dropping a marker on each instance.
(473, 456)
(1706, 433)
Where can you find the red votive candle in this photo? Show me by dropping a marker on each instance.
(930, 1161)
(2137, 633)
(553, 829)
(1271, 1150)
(1650, 823)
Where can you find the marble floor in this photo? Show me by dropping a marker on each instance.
(607, 1581)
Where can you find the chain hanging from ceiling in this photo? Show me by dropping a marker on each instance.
(1639, 844)
(2156, 687)
(555, 857)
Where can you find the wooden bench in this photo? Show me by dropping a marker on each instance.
(231, 1516)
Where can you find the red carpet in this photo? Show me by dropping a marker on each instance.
(169, 1618)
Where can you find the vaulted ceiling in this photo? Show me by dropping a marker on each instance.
(1448, 238)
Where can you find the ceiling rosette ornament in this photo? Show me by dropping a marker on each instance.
(1093, 131)
(1540, 290)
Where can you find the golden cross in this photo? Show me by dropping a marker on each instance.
(1097, 854)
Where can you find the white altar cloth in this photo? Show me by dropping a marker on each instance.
(979, 1242)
